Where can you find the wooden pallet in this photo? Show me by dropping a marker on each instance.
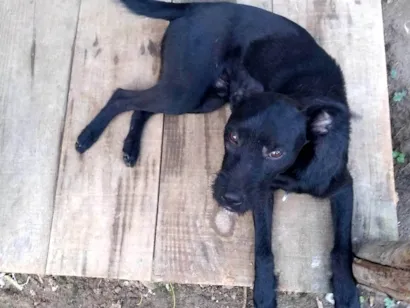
(66, 214)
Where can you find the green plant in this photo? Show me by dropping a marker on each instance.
(362, 300)
(389, 303)
(398, 96)
(399, 157)
(393, 73)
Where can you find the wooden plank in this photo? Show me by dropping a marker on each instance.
(105, 213)
(352, 32)
(394, 254)
(35, 61)
(196, 241)
(394, 282)
(302, 240)
(188, 249)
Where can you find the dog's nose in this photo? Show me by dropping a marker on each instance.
(233, 198)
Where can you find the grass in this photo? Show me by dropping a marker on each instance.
(399, 157)
(393, 73)
(389, 303)
(398, 96)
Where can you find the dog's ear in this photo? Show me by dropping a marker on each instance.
(322, 116)
(320, 122)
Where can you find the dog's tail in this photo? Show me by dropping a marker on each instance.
(157, 9)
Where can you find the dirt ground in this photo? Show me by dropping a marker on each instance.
(396, 15)
(70, 292)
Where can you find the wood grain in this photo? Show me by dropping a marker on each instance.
(394, 254)
(392, 281)
(35, 60)
(302, 240)
(196, 241)
(105, 213)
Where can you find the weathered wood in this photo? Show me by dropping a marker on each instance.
(394, 254)
(105, 213)
(35, 60)
(352, 32)
(302, 240)
(196, 241)
(392, 281)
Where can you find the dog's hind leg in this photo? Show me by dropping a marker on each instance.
(158, 99)
(168, 96)
(188, 70)
(132, 142)
(211, 102)
(131, 148)
(344, 286)
(265, 281)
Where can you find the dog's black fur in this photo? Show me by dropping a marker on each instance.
(289, 127)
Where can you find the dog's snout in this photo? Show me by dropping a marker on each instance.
(233, 198)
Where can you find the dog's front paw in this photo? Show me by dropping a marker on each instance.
(85, 140)
(344, 286)
(129, 159)
(264, 295)
(130, 152)
(264, 288)
(347, 295)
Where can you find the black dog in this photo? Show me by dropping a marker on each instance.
(290, 121)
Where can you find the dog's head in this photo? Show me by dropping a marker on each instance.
(263, 138)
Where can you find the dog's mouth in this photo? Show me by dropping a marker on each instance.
(229, 208)
(234, 209)
(222, 202)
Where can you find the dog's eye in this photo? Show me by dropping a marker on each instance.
(233, 138)
(275, 154)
